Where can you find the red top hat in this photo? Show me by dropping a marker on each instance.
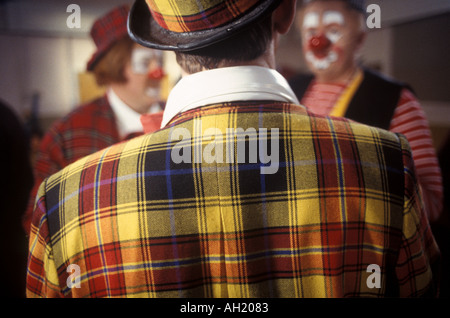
(106, 31)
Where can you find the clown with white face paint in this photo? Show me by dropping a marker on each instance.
(332, 33)
(149, 63)
(321, 51)
(331, 36)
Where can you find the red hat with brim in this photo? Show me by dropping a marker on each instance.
(106, 31)
(186, 25)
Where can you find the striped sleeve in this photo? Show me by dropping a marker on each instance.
(410, 120)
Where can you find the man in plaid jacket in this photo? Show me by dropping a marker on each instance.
(132, 75)
(242, 192)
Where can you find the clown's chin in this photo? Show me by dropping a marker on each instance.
(153, 92)
(321, 63)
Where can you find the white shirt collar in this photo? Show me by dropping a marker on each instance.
(230, 84)
(128, 120)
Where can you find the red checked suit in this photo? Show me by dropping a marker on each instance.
(87, 129)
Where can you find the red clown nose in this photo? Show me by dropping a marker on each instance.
(156, 74)
(318, 44)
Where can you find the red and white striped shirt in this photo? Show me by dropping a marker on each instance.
(410, 120)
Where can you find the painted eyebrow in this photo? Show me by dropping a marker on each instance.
(311, 20)
(333, 17)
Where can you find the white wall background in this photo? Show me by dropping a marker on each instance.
(45, 65)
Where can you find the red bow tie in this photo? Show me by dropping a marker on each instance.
(151, 122)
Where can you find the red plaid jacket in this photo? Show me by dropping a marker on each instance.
(87, 129)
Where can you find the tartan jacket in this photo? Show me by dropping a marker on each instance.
(87, 129)
(138, 223)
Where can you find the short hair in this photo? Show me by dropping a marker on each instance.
(244, 46)
(110, 68)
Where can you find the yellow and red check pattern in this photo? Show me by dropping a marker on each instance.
(197, 15)
(139, 225)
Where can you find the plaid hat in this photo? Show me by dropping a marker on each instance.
(184, 25)
(106, 31)
(358, 5)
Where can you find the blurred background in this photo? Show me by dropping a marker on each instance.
(42, 61)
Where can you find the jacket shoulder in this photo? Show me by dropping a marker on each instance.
(95, 119)
(97, 108)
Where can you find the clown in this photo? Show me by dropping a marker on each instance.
(132, 76)
(147, 64)
(331, 35)
(333, 32)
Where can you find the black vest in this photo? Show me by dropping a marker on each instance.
(374, 101)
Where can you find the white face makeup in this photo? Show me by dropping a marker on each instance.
(330, 20)
(332, 17)
(153, 92)
(143, 63)
(311, 20)
(323, 63)
(141, 59)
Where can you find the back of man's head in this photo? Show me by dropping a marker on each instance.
(205, 35)
(244, 46)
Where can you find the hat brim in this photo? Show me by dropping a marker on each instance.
(144, 30)
(95, 58)
(99, 54)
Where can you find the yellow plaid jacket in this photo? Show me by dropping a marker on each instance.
(139, 222)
